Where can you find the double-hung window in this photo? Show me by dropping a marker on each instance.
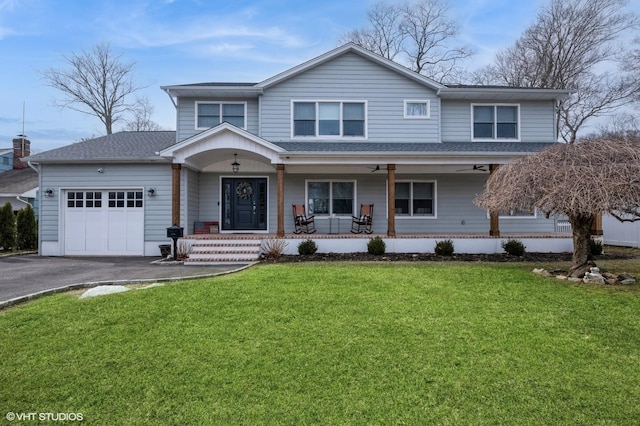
(211, 114)
(331, 119)
(496, 122)
(416, 199)
(330, 197)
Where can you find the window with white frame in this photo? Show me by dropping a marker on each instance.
(330, 197)
(210, 114)
(518, 213)
(332, 119)
(416, 109)
(493, 122)
(414, 198)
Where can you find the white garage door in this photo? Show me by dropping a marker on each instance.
(104, 222)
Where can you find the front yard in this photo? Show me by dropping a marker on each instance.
(332, 343)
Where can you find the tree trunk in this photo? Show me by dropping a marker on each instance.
(582, 260)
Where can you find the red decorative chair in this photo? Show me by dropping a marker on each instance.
(363, 222)
(302, 222)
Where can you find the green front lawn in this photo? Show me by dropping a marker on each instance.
(343, 343)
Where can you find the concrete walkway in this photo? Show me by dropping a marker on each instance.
(26, 277)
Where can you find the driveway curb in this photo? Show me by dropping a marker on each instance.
(90, 284)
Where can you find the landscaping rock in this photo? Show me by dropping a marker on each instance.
(629, 281)
(574, 280)
(102, 290)
(593, 278)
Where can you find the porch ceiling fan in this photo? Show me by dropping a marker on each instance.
(475, 168)
(376, 168)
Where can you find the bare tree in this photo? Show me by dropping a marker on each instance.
(572, 45)
(141, 117)
(383, 36)
(577, 180)
(96, 83)
(420, 32)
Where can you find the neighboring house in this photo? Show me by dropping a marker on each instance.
(616, 233)
(6, 159)
(346, 128)
(18, 182)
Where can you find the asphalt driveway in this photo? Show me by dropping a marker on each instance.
(21, 276)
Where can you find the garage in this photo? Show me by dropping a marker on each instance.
(100, 222)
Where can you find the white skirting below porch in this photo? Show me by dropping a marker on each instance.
(414, 243)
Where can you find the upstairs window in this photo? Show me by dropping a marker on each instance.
(496, 122)
(212, 114)
(329, 119)
(416, 109)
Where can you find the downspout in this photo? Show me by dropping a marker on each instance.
(36, 167)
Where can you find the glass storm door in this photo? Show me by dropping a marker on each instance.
(244, 204)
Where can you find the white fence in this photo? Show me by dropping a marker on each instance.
(618, 233)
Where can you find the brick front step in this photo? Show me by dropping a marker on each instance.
(224, 251)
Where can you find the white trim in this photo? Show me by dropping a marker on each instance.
(331, 214)
(317, 136)
(211, 102)
(417, 101)
(495, 123)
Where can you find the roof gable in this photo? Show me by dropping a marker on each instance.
(342, 50)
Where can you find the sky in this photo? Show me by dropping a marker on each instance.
(191, 41)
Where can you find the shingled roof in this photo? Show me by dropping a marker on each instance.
(18, 181)
(121, 146)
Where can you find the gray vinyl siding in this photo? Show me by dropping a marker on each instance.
(353, 78)
(186, 121)
(157, 213)
(536, 120)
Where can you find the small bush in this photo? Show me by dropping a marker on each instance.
(376, 246)
(7, 227)
(444, 248)
(513, 247)
(27, 228)
(273, 247)
(595, 247)
(307, 247)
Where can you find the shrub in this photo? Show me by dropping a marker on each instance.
(7, 227)
(376, 246)
(27, 228)
(595, 247)
(444, 248)
(273, 247)
(513, 247)
(307, 247)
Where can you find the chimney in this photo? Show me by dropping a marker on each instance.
(21, 149)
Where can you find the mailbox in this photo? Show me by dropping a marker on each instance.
(175, 231)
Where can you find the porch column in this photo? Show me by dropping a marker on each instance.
(391, 200)
(596, 225)
(494, 217)
(175, 193)
(280, 172)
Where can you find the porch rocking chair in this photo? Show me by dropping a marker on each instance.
(302, 222)
(363, 222)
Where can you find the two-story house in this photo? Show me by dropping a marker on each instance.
(343, 129)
